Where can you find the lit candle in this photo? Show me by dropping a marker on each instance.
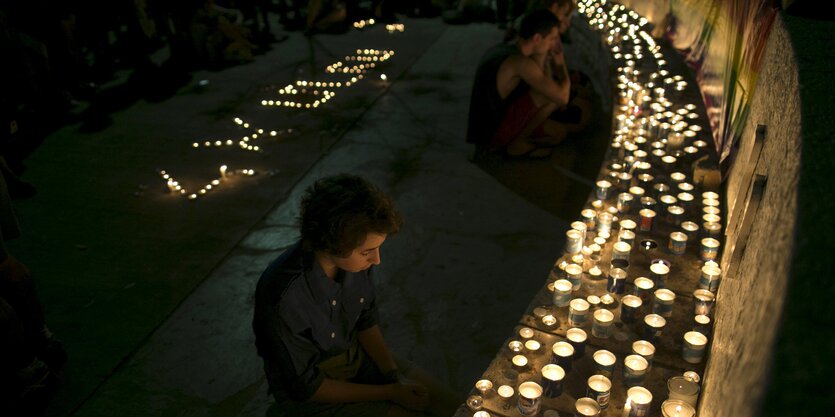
(586, 407)
(648, 202)
(563, 353)
(552, 377)
(674, 408)
(710, 195)
(520, 362)
(634, 369)
(628, 307)
(223, 171)
(681, 389)
(529, 398)
(701, 324)
(577, 339)
(617, 278)
(647, 216)
(644, 349)
(604, 223)
(678, 243)
(674, 214)
(602, 327)
(638, 400)
(710, 278)
(549, 320)
(603, 187)
(712, 229)
(604, 362)
(626, 236)
(574, 274)
(506, 392)
(685, 198)
(690, 228)
(526, 333)
(624, 204)
(484, 386)
(643, 288)
(589, 216)
(662, 303)
(658, 271)
(710, 249)
(703, 302)
(532, 345)
(711, 209)
(562, 292)
(515, 346)
(481, 413)
(677, 177)
(598, 388)
(573, 241)
(653, 327)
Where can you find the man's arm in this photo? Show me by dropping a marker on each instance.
(411, 396)
(534, 75)
(372, 341)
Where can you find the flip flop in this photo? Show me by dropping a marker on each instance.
(534, 153)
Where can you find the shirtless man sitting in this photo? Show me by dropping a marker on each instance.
(513, 94)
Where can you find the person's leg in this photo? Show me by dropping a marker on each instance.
(522, 120)
(443, 401)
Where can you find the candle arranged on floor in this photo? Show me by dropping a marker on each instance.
(638, 400)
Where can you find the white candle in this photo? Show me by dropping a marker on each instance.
(586, 407)
(223, 171)
(604, 358)
(526, 332)
(694, 347)
(519, 361)
(515, 346)
(484, 386)
(532, 345)
(644, 348)
(638, 400)
(505, 391)
(549, 320)
(675, 408)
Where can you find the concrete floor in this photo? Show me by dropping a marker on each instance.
(152, 293)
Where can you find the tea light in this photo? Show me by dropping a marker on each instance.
(644, 180)
(710, 249)
(680, 388)
(674, 214)
(623, 179)
(668, 162)
(602, 191)
(577, 339)
(638, 400)
(602, 327)
(594, 301)
(484, 386)
(481, 413)
(597, 204)
(540, 312)
(562, 355)
(629, 305)
(710, 278)
(662, 303)
(678, 243)
(643, 288)
(685, 198)
(578, 310)
(586, 407)
(693, 349)
(710, 195)
(711, 210)
(648, 202)
(624, 204)
(530, 394)
(653, 326)
(634, 369)
(573, 241)
(636, 191)
(667, 200)
(620, 250)
(506, 392)
(599, 240)
(691, 376)
(475, 402)
(626, 236)
(604, 362)
(616, 281)
(660, 189)
(588, 217)
(658, 271)
(519, 362)
(607, 300)
(701, 324)
(644, 349)
(595, 273)
(703, 302)
(677, 177)
(515, 346)
(647, 216)
(689, 228)
(598, 388)
(549, 320)
(686, 186)
(532, 346)
(711, 218)
(673, 408)
(552, 377)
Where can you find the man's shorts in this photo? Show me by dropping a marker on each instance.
(519, 113)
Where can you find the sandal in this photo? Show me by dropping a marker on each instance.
(534, 153)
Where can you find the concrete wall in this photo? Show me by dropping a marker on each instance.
(751, 297)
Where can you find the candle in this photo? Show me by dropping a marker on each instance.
(677, 177)
(604, 362)
(681, 389)
(475, 402)
(616, 281)
(678, 243)
(519, 362)
(627, 224)
(712, 229)
(686, 186)
(624, 204)
(690, 228)
(598, 388)
(710, 195)
(532, 345)
(644, 349)
(578, 309)
(602, 191)
(515, 346)
(662, 303)
(540, 312)
(638, 191)
(626, 236)
(653, 327)
(693, 349)
(648, 202)
(484, 386)
(577, 339)
(674, 408)
(643, 288)
(644, 180)
(647, 216)
(685, 198)
(506, 392)
(573, 273)
(602, 327)
(701, 324)
(658, 271)
(634, 369)
(660, 189)
(562, 355)
(674, 214)
(710, 249)
(604, 222)
(691, 376)
(620, 250)
(573, 241)
(552, 377)
(629, 305)
(588, 217)
(223, 169)
(711, 210)
(549, 320)
(595, 274)
(638, 400)
(481, 413)
(667, 200)
(586, 407)
(526, 332)
(529, 398)
(703, 302)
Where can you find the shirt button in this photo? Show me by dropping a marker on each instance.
(362, 300)
(333, 335)
(333, 302)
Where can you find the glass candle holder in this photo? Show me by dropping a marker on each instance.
(709, 249)
(637, 191)
(578, 311)
(552, 379)
(526, 333)
(624, 204)
(562, 292)
(586, 407)
(602, 327)
(588, 217)
(644, 180)
(602, 190)
(682, 389)
(690, 228)
(662, 303)
(678, 243)
(703, 302)
(660, 189)
(604, 222)
(685, 199)
(604, 362)
(549, 320)
(648, 202)
(598, 388)
(515, 346)
(638, 400)
(645, 349)
(562, 355)
(577, 339)
(677, 177)
(634, 370)
(710, 195)
(653, 327)
(573, 241)
(693, 348)
(667, 200)
(675, 408)
(529, 402)
(711, 229)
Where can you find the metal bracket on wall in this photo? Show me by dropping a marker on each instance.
(733, 253)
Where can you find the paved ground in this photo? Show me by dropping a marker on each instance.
(152, 293)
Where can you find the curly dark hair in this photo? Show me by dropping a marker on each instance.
(338, 213)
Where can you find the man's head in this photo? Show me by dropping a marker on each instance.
(540, 28)
(561, 9)
(344, 213)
